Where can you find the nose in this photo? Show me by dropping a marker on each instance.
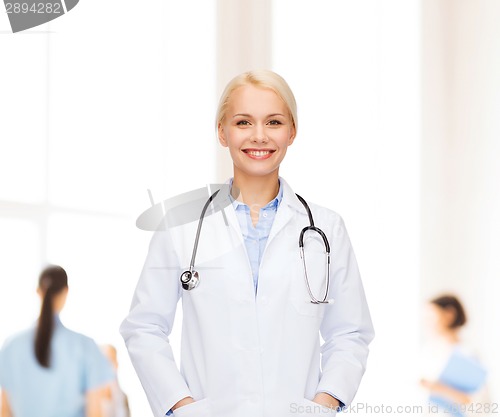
(259, 134)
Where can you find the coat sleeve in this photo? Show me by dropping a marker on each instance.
(346, 327)
(147, 327)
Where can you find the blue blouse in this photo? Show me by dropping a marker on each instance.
(255, 237)
(77, 366)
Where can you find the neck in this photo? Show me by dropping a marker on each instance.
(451, 336)
(255, 192)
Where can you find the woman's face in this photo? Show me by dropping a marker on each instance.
(257, 129)
(438, 319)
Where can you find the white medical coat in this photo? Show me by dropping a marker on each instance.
(245, 354)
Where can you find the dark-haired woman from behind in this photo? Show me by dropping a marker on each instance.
(49, 370)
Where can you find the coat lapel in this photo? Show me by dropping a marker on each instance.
(287, 210)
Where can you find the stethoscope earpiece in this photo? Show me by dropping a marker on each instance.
(313, 228)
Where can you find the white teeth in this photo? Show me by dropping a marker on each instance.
(258, 153)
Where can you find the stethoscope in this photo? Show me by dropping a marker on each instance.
(190, 278)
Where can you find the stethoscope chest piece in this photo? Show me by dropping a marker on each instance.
(190, 280)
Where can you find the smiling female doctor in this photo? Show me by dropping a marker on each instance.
(250, 332)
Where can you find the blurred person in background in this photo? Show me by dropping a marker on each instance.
(115, 402)
(452, 375)
(49, 370)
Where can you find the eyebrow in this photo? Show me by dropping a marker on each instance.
(248, 115)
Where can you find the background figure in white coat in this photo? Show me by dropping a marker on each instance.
(250, 339)
(115, 403)
(445, 319)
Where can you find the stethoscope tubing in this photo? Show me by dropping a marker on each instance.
(198, 231)
(190, 278)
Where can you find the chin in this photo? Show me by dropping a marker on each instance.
(258, 173)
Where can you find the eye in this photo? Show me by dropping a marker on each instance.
(243, 123)
(275, 122)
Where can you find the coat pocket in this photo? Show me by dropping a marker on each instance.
(303, 305)
(312, 409)
(200, 408)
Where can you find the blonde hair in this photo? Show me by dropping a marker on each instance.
(260, 78)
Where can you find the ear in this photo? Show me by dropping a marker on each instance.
(222, 135)
(293, 132)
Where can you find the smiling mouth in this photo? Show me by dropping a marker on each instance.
(258, 152)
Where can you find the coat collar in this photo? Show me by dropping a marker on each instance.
(289, 207)
(275, 202)
(289, 197)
